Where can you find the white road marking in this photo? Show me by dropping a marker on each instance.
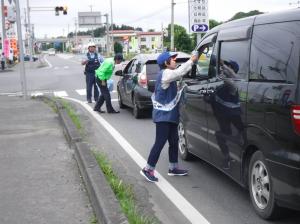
(66, 67)
(81, 92)
(60, 93)
(36, 94)
(56, 68)
(187, 209)
(49, 64)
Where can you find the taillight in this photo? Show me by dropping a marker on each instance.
(142, 80)
(296, 118)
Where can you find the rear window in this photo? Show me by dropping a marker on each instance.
(152, 67)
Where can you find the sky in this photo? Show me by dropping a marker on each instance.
(147, 14)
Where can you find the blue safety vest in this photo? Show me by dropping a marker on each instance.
(93, 63)
(164, 97)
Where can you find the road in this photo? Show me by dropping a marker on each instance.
(213, 195)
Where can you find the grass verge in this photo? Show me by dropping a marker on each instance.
(72, 114)
(123, 192)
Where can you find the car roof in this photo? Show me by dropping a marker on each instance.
(152, 57)
(282, 16)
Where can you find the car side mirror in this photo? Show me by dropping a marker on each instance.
(119, 73)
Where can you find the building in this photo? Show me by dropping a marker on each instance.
(134, 41)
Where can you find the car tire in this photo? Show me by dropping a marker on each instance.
(137, 112)
(182, 143)
(261, 187)
(120, 101)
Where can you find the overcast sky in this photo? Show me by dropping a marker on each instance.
(148, 14)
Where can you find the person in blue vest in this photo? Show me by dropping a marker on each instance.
(92, 61)
(166, 113)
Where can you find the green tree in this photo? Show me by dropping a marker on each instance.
(182, 41)
(213, 23)
(118, 47)
(240, 15)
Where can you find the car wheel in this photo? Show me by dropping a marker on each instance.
(137, 112)
(121, 105)
(182, 143)
(261, 187)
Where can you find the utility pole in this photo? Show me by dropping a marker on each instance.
(29, 31)
(112, 26)
(75, 33)
(93, 35)
(107, 36)
(172, 25)
(3, 24)
(21, 57)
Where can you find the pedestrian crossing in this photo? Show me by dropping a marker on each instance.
(63, 93)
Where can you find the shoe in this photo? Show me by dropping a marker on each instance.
(177, 172)
(114, 112)
(149, 175)
(89, 101)
(99, 110)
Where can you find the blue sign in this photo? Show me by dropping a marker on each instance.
(199, 28)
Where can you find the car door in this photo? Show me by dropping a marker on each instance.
(226, 112)
(128, 82)
(193, 112)
(123, 82)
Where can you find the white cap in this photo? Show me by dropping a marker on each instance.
(91, 44)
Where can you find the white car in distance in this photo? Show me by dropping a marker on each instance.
(51, 52)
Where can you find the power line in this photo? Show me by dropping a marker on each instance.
(149, 15)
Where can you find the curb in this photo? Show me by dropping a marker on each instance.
(104, 202)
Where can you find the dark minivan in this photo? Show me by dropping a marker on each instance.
(241, 107)
(138, 81)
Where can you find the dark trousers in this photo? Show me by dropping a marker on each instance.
(164, 131)
(90, 83)
(105, 96)
(2, 65)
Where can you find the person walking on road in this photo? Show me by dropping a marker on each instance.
(2, 61)
(92, 61)
(166, 113)
(104, 73)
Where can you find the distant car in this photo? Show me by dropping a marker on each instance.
(27, 57)
(51, 52)
(137, 82)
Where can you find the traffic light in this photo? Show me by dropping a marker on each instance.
(65, 10)
(60, 8)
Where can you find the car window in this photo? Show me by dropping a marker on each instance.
(127, 69)
(275, 52)
(152, 67)
(207, 60)
(234, 59)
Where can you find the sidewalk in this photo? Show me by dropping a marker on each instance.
(39, 178)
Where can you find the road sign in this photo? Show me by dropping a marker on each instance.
(198, 14)
(89, 19)
(199, 28)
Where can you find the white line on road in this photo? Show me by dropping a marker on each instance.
(187, 209)
(60, 93)
(81, 92)
(49, 64)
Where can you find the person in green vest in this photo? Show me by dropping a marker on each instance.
(104, 73)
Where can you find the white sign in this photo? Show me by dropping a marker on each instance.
(89, 19)
(198, 13)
